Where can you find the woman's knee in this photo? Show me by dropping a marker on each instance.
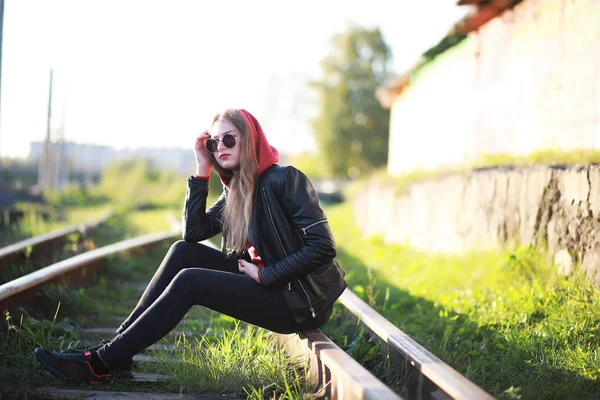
(184, 282)
(185, 277)
(183, 247)
(178, 252)
(179, 246)
(174, 260)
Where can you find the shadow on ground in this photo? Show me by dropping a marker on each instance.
(503, 368)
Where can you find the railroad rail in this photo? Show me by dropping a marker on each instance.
(334, 372)
(48, 241)
(21, 291)
(435, 379)
(331, 369)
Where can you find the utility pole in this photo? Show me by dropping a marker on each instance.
(45, 167)
(1, 40)
(62, 155)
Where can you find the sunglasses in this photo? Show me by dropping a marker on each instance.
(212, 144)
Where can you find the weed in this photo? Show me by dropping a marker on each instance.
(504, 319)
(19, 371)
(218, 353)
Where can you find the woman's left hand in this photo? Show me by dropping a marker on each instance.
(249, 269)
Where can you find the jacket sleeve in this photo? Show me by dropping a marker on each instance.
(197, 223)
(301, 203)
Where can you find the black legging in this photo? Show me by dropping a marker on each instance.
(190, 274)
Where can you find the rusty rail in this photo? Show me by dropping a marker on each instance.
(47, 241)
(21, 291)
(330, 368)
(435, 379)
(335, 373)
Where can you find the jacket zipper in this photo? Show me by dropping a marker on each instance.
(313, 224)
(275, 229)
(310, 307)
(273, 222)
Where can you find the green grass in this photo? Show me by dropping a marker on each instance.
(19, 370)
(402, 183)
(141, 222)
(78, 215)
(127, 224)
(34, 260)
(38, 220)
(547, 157)
(226, 356)
(222, 355)
(506, 320)
(345, 330)
(34, 222)
(122, 225)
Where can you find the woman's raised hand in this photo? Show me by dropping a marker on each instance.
(203, 162)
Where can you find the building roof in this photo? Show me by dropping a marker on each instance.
(482, 12)
(395, 86)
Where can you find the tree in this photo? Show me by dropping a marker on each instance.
(352, 128)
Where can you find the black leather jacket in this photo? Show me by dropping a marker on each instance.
(289, 230)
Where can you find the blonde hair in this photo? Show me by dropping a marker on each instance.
(238, 204)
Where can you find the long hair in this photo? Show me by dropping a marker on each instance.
(238, 204)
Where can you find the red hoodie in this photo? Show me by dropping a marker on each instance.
(267, 155)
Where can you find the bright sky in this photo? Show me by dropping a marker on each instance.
(147, 73)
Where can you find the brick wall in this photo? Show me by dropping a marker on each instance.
(528, 80)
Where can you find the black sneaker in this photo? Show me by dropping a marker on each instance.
(123, 368)
(72, 366)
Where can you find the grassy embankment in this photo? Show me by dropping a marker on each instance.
(505, 319)
(40, 219)
(123, 186)
(551, 157)
(222, 355)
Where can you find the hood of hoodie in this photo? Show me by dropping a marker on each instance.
(267, 155)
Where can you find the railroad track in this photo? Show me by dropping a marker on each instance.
(330, 369)
(48, 242)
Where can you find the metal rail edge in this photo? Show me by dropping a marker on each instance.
(63, 267)
(334, 373)
(412, 354)
(14, 249)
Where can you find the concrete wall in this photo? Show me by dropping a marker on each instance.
(555, 206)
(528, 80)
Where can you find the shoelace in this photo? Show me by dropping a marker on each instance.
(90, 349)
(78, 356)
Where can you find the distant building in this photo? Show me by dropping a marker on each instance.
(510, 78)
(92, 159)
